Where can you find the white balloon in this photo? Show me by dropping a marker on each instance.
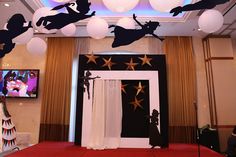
(69, 30)
(126, 23)
(165, 5)
(36, 46)
(42, 12)
(97, 28)
(210, 21)
(24, 37)
(120, 5)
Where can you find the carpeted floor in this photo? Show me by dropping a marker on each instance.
(66, 149)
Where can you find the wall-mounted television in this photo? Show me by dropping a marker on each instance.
(19, 83)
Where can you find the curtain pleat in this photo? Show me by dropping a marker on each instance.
(55, 112)
(181, 75)
(106, 115)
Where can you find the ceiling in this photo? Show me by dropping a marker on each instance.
(185, 24)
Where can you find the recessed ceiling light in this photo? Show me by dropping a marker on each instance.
(199, 29)
(6, 5)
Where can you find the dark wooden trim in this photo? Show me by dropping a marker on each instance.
(210, 83)
(216, 36)
(219, 58)
(225, 126)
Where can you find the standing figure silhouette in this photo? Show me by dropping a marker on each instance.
(127, 36)
(15, 27)
(154, 134)
(203, 4)
(60, 20)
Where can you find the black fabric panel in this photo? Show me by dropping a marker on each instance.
(134, 121)
(120, 60)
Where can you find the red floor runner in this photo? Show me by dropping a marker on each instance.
(66, 149)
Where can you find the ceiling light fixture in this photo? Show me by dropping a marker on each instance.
(6, 5)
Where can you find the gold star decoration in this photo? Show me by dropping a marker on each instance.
(131, 64)
(139, 88)
(108, 63)
(123, 88)
(91, 58)
(1, 46)
(136, 103)
(146, 60)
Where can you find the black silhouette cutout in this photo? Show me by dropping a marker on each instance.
(86, 83)
(127, 36)
(15, 27)
(60, 20)
(203, 4)
(154, 134)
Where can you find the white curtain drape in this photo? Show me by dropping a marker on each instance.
(106, 115)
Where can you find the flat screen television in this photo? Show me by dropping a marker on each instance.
(19, 83)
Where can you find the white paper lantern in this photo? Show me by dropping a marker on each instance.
(69, 30)
(24, 37)
(120, 5)
(97, 28)
(210, 21)
(126, 23)
(42, 12)
(165, 5)
(36, 46)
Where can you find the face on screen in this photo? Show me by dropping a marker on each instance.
(19, 83)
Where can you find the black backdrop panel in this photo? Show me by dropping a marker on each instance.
(134, 120)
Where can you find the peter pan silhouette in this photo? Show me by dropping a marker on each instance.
(127, 36)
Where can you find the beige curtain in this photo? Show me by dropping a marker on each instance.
(181, 75)
(55, 112)
(82, 47)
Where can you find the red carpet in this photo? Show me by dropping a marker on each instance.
(66, 149)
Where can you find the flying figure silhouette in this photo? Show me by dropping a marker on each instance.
(15, 27)
(203, 4)
(127, 36)
(60, 20)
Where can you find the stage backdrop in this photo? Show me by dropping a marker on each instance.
(143, 78)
